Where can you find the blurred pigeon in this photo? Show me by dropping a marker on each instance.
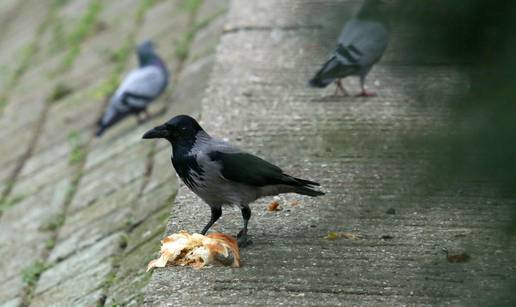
(138, 89)
(221, 174)
(361, 44)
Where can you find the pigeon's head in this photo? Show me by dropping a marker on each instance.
(180, 130)
(372, 9)
(145, 52)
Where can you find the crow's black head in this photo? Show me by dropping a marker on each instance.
(180, 130)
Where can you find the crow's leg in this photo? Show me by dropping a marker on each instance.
(340, 88)
(364, 92)
(242, 238)
(216, 212)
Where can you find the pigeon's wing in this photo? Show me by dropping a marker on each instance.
(331, 70)
(251, 170)
(140, 87)
(137, 90)
(362, 43)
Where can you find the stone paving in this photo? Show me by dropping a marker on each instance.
(376, 183)
(80, 217)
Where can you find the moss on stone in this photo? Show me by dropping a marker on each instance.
(54, 223)
(59, 92)
(84, 28)
(31, 274)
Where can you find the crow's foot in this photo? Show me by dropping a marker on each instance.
(243, 239)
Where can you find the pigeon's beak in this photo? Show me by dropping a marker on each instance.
(158, 132)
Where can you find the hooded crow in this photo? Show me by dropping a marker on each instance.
(221, 174)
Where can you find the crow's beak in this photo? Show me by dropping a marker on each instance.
(156, 133)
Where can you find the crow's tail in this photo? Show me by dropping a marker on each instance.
(308, 191)
(305, 187)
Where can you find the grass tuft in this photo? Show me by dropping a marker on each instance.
(119, 57)
(144, 6)
(59, 92)
(50, 243)
(183, 46)
(86, 26)
(31, 274)
(78, 149)
(77, 155)
(54, 223)
(110, 279)
(191, 5)
(58, 36)
(26, 54)
(8, 203)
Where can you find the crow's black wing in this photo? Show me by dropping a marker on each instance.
(251, 170)
(246, 168)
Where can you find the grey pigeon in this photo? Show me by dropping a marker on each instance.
(360, 45)
(138, 90)
(221, 174)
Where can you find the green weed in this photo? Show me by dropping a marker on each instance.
(54, 223)
(31, 274)
(60, 91)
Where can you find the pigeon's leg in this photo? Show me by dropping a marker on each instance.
(340, 88)
(146, 113)
(141, 119)
(364, 92)
(242, 238)
(216, 212)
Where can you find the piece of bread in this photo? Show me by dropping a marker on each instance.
(197, 250)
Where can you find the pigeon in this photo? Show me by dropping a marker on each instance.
(221, 174)
(360, 45)
(138, 90)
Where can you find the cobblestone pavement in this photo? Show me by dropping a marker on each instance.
(80, 217)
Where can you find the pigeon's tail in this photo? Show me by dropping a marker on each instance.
(319, 83)
(305, 187)
(330, 71)
(101, 128)
(103, 124)
(324, 76)
(100, 131)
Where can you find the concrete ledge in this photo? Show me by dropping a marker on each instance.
(354, 147)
